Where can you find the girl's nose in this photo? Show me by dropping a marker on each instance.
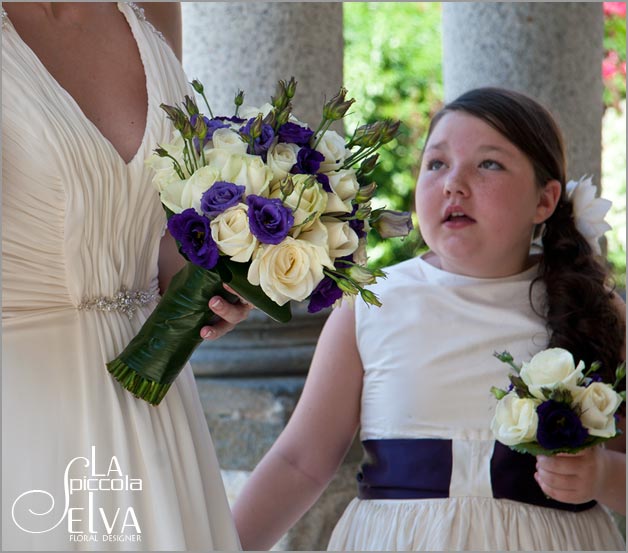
(456, 183)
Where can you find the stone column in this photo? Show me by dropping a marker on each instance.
(550, 51)
(250, 380)
(252, 45)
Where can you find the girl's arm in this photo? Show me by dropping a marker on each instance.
(595, 473)
(298, 467)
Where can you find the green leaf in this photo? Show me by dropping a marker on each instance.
(534, 448)
(498, 392)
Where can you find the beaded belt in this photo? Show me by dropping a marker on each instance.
(125, 301)
(422, 469)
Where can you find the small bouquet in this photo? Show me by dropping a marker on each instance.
(259, 201)
(553, 406)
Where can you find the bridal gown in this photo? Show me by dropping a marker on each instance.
(85, 464)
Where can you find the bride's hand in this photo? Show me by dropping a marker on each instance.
(230, 313)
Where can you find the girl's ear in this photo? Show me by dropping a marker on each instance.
(548, 199)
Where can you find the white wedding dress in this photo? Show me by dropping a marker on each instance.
(85, 465)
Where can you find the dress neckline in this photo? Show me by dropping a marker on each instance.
(7, 23)
(440, 275)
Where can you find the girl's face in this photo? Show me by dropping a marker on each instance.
(477, 200)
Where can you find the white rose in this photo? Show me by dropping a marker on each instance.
(598, 403)
(281, 158)
(515, 420)
(248, 171)
(551, 368)
(226, 139)
(588, 211)
(342, 238)
(289, 270)
(316, 234)
(311, 201)
(183, 194)
(344, 185)
(230, 231)
(332, 146)
(248, 112)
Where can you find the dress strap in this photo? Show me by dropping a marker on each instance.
(6, 22)
(139, 13)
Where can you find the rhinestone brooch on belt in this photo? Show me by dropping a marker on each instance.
(126, 301)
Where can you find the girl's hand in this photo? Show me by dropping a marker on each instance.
(572, 478)
(230, 313)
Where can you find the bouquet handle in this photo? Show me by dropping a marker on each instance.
(155, 357)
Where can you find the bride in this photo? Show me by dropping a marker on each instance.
(85, 464)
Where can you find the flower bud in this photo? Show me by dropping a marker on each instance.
(284, 115)
(365, 193)
(337, 107)
(239, 98)
(361, 275)
(347, 286)
(161, 152)
(367, 136)
(370, 298)
(256, 127)
(286, 186)
(363, 212)
(391, 223)
(200, 127)
(197, 86)
(390, 131)
(280, 100)
(369, 164)
(190, 106)
(270, 119)
(186, 129)
(291, 88)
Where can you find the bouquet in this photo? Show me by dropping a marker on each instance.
(259, 201)
(553, 406)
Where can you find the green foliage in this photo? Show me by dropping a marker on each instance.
(394, 74)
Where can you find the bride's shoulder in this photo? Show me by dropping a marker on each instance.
(166, 18)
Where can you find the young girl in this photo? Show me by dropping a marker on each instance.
(415, 374)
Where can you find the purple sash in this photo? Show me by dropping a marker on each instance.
(421, 469)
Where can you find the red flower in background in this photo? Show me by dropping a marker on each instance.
(610, 65)
(615, 8)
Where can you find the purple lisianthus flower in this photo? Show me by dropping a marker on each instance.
(193, 232)
(559, 426)
(221, 196)
(269, 220)
(294, 134)
(325, 294)
(324, 180)
(233, 118)
(308, 161)
(262, 143)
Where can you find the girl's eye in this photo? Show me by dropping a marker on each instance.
(491, 164)
(434, 164)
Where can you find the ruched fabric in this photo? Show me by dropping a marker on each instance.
(79, 223)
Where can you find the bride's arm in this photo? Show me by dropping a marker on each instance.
(166, 18)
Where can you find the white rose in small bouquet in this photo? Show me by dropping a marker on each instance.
(515, 419)
(550, 369)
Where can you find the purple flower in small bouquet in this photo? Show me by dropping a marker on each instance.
(555, 406)
(559, 426)
(262, 202)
